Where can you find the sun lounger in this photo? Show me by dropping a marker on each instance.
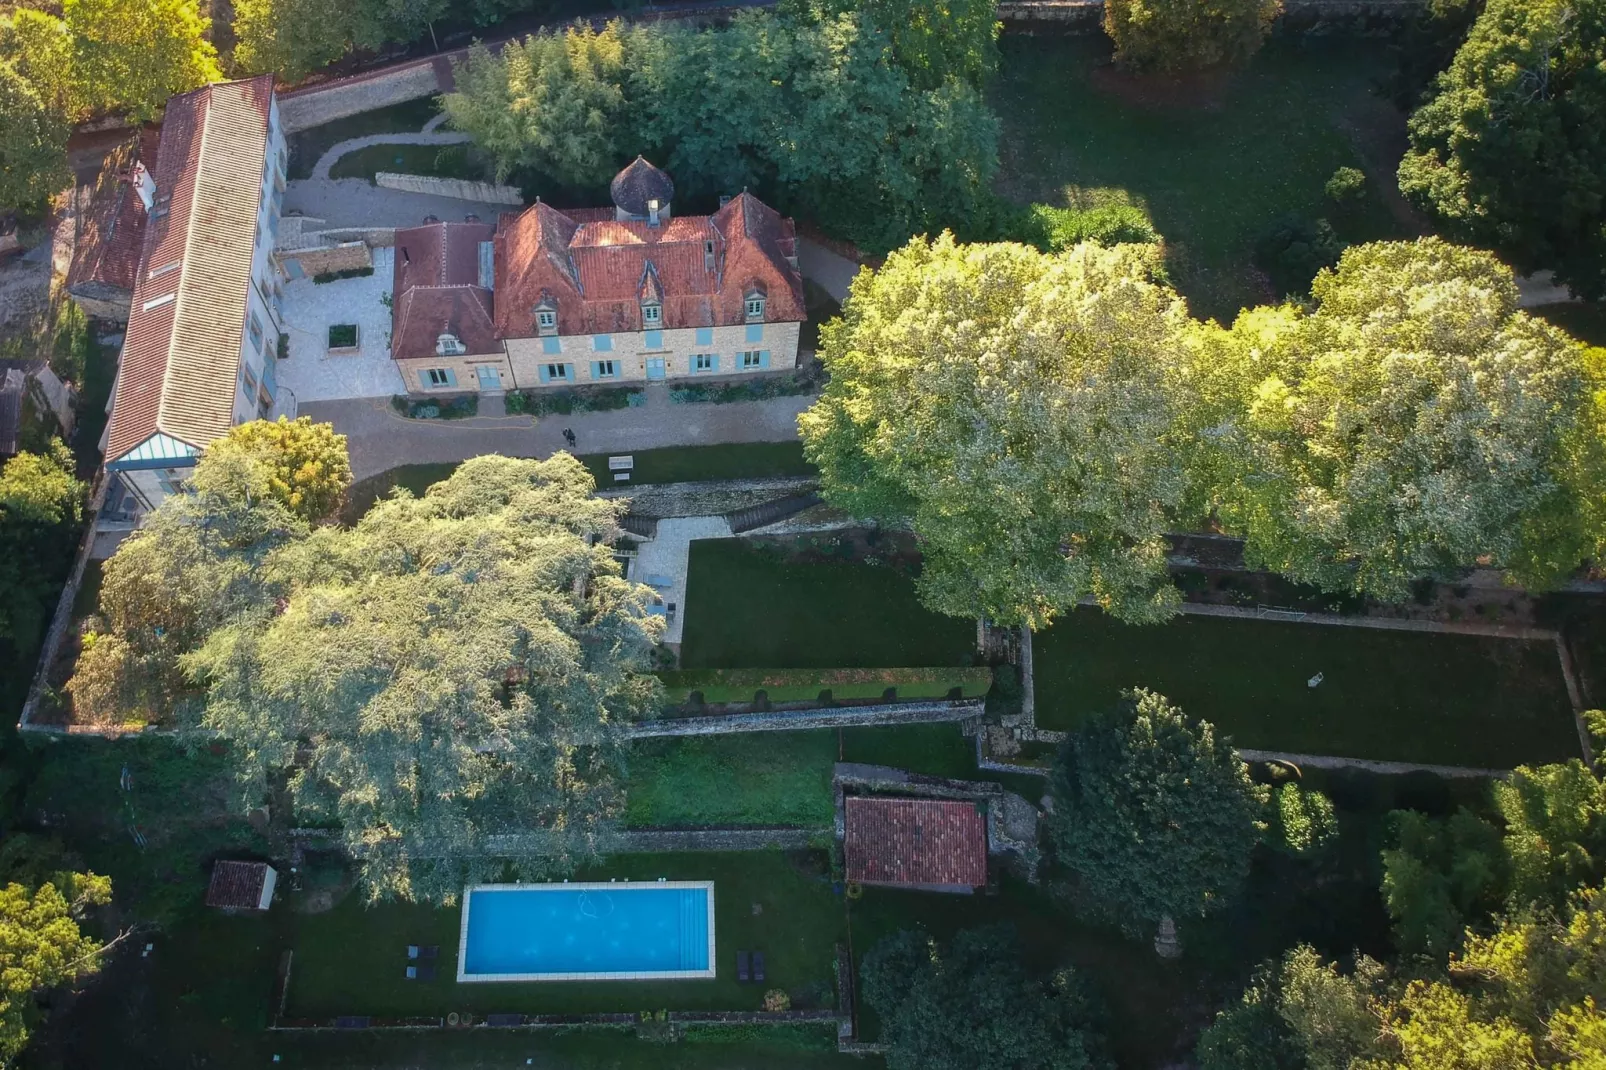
(423, 951)
(660, 581)
(758, 966)
(743, 967)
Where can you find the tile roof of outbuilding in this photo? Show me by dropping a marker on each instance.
(111, 227)
(436, 290)
(237, 885)
(892, 840)
(181, 358)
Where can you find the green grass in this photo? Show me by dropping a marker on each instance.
(741, 686)
(307, 145)
(437, 161)
(782, 778)
(684, 464)
(746, 608)
(1213, 167)
(351, 959)
(1397, 696)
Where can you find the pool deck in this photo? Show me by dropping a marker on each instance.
(464, 977)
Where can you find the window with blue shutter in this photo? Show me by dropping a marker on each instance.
(764, 359)
(551, 346)
(705, 336)
(704, 362)
(553, 373)
(655, 339)
(755, 332)
(604, 369)
(602, 343)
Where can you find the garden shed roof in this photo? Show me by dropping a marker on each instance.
(939, 844)
(238, 885)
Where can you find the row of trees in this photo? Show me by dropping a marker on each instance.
(872, 126)
(447, 680)
(98, 58)
(1042, 421)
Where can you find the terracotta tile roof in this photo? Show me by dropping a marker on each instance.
(237, 885)
(915, 841)
(111, 228)
(595, 268)
(181, 359)
(437, 290)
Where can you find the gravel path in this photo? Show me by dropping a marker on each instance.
(320, 170)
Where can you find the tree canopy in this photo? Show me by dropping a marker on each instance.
(33, 144)
(971, 1006)
(41, 503)
(129, 56)
(1153, 813)
(1019, 411)
(308, 470)
(1412, 423)
(42, 947)
(1510, 150)
(448, 680)
(1182, 35)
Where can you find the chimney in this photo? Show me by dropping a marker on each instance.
(652, 213)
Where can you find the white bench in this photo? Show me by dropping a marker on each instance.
(621, 464)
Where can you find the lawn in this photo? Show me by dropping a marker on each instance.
(351, 959)
(437, 161)
(748, 608)
(778, 778)
(1214, 164)
(307, 145)
(752, 460)
(1397, 696)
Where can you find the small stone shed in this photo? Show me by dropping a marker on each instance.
(937, 845)
(241, 885)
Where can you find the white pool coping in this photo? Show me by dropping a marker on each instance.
(464, 977)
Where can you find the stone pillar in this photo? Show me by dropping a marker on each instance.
(1166, 944)
(1028, 696)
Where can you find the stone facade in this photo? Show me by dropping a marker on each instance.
(481, 372)
(630, 354)
(458, 188)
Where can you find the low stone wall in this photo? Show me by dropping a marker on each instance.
(314, 105)
(618, 1020)
(774, 838)
(461, 189)
(706, 499)
(347, 256)
(800, 720)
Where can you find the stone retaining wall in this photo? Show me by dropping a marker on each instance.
(801, 720)
(618, 1020)
(458, 188)
(779, 838)
(705, 499)
(315, 105)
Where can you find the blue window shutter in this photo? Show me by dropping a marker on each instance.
(596, 369)
(764, 359)
(551, 345)
(715, 366)
(655, 339)
(602, 343)
(544, 374)
(705, 336)
(755, 332)
(451, 377)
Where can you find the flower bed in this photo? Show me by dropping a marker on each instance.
(566, 402)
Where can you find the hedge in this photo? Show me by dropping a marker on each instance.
(683, 687)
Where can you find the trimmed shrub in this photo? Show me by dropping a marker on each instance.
(335, 276)
(756, 389)
(1057, 229)
(453, 408)
(1293, 249)
(1346, 187)
(566, 402)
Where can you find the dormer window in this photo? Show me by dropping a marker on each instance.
(546, 321)
(448, 345)
(755, 307)
(652, 314)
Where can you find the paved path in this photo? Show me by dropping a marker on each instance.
(830, 271)
(356, 202)
(665, 557)
(320, 170)
(379, 439)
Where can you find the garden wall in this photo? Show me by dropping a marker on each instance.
(798, 720)
(1299, 16)
(460, 188)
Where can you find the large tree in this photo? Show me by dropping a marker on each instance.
(932, 41)
(970, 1006)
(1154, 814)
(33, 144)
(307, 465)
(129, 56)
(1019, 411)
(1511, 150)
(290, 38)
(449, 680)
(41, 947)
(40, 46)
(1184, 35)
(554, 102)
(1412, 423)
(41, 503)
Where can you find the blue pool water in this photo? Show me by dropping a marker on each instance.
(543, 929)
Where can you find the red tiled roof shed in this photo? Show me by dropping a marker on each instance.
(112, 226)
(237, 885)
(928, 842)
(437, 290)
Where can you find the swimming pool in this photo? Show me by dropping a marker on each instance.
(629, 931)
